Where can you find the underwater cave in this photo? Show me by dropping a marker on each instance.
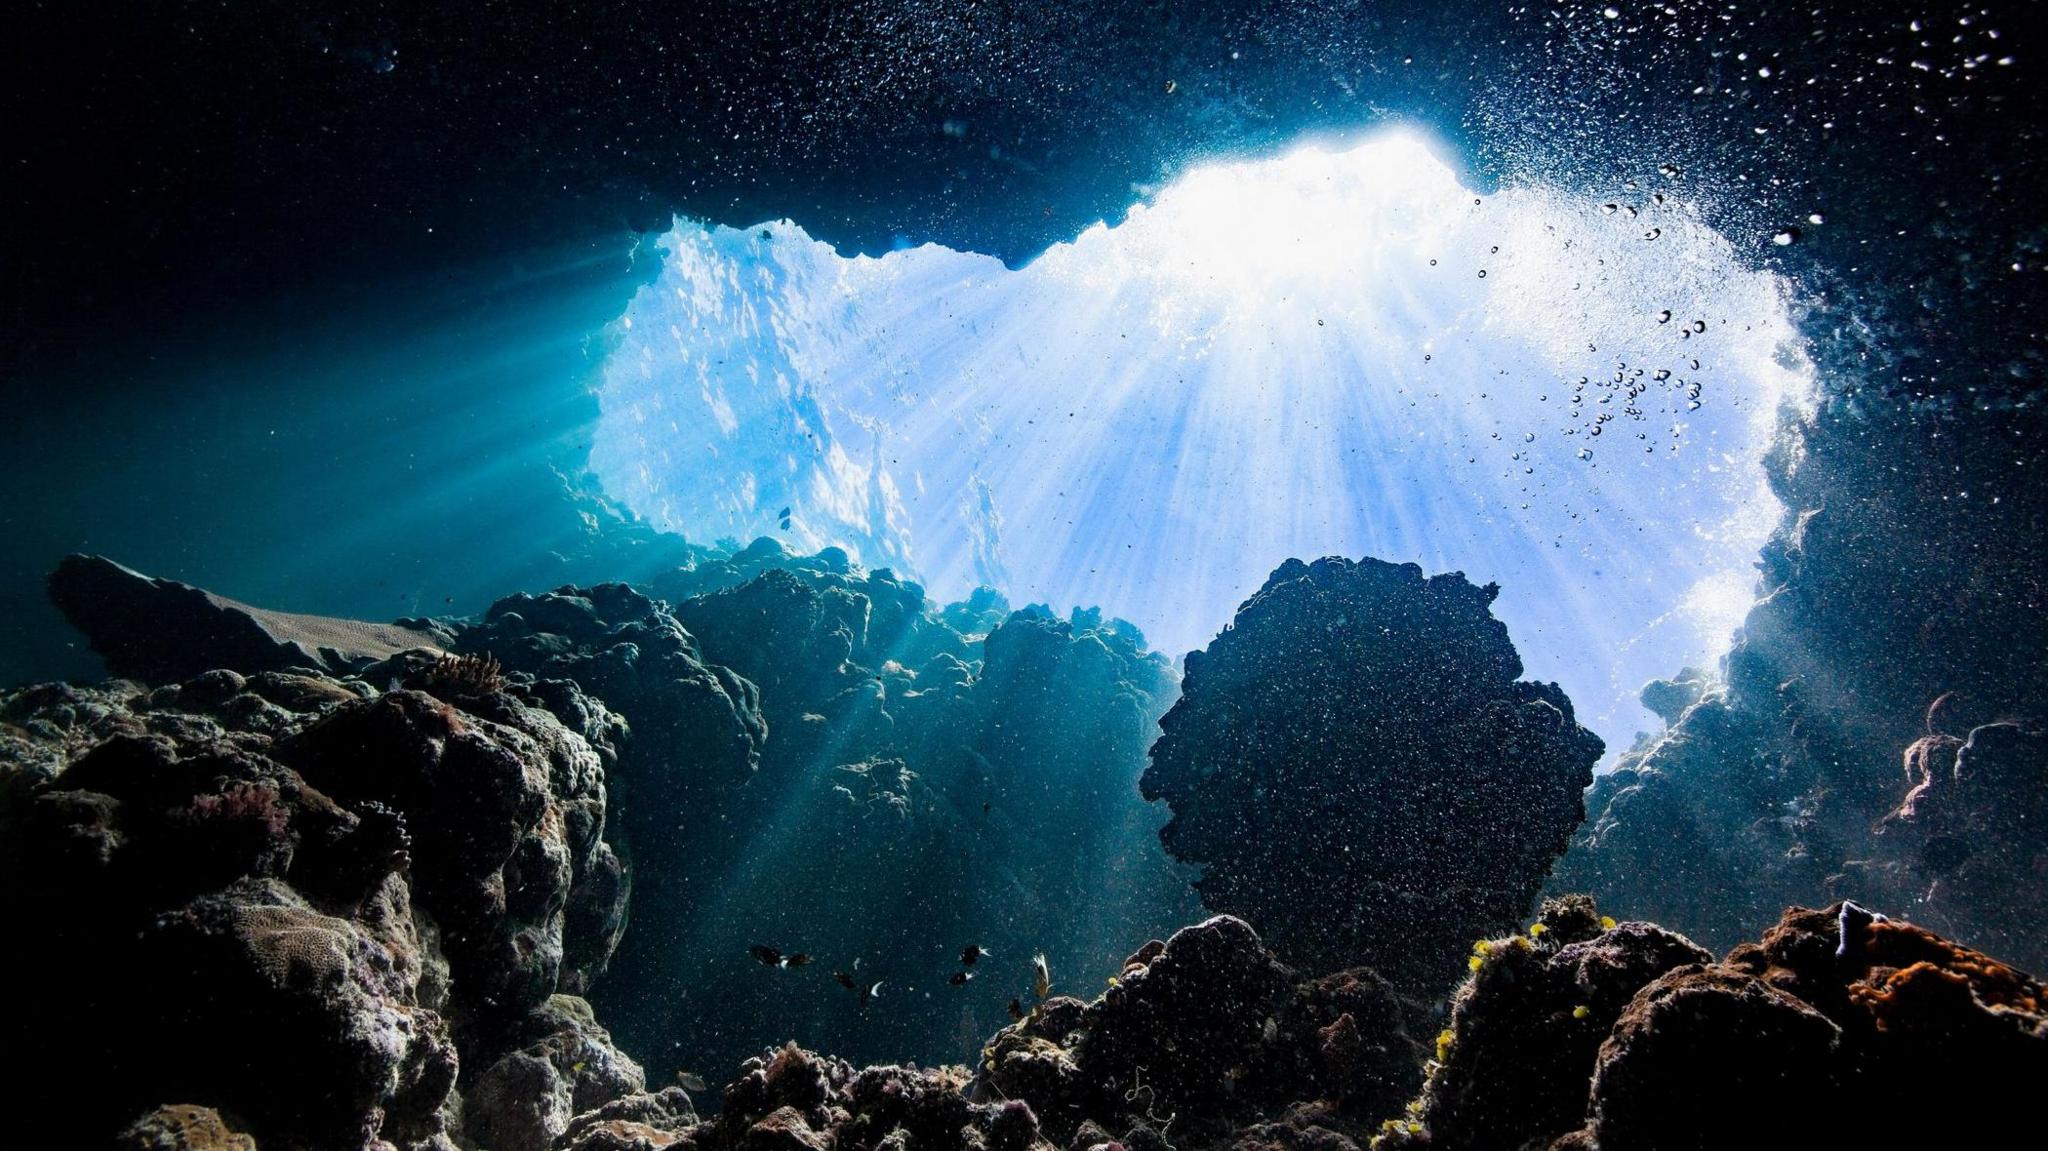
(954, 576)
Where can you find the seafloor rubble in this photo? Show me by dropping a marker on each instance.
(1348, 704)
(368, 903)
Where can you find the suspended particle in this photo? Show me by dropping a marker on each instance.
(1785, 237)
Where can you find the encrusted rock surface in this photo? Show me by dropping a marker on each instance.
(1838, 1028)
(1361, 773)
(297, 899)
(1204, 1035)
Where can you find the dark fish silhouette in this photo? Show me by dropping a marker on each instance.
(769, 957)
(1017, 1010)
(845, 980)
(960, 977)
(972, 953)
(691, 1081)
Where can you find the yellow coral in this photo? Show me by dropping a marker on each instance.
(1475, 963)
(1580, 1012)
(1536, 930)
(1607, 923)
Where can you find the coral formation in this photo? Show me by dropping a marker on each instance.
(799, 724)
(301, 901)
(1771, 786)
(1839, 1027)
(1202, 1035)
(1347, 706)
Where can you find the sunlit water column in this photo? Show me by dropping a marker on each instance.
(1333, 352)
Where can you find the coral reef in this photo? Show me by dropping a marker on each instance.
(305, 903)
(1348, 705)
(801, 725)
(1771, 786)
(1203, 1035)
(1966, 846)
(1839, 1027)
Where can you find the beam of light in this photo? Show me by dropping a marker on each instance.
(1332, 352)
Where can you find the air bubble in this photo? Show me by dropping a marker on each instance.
(1653, 233)
(1785, 237)
(1699, 325)
(1664, 317)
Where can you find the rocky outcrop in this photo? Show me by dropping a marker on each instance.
(182, 1127)
(158, 629)
(1361, 774)
(1203, 1035)
(301, 901)
(820, 728)
(1839, 1028)
(1966, 848)
(1770, 787)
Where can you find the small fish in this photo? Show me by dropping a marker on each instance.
(691, 1081)
(973, 953)
(874, 991)
(769, 957)
(1041, 982)
(783, 514)
(985, 807)
(845, 980)
(1017, 1010)
(960, 978)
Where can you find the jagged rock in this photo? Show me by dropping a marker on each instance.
(217, 927)
(793, 1100)
(1705, 1058)
(1203, 1034)
(505, 813)
(159, 629)
(1767, 792)
(183, 1127)
(642, 1122)
(1839, 1028)
(816, 725)
(562, 1065)
(1969, 838)
(1361, 774)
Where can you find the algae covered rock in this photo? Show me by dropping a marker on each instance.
(1838, 1028)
